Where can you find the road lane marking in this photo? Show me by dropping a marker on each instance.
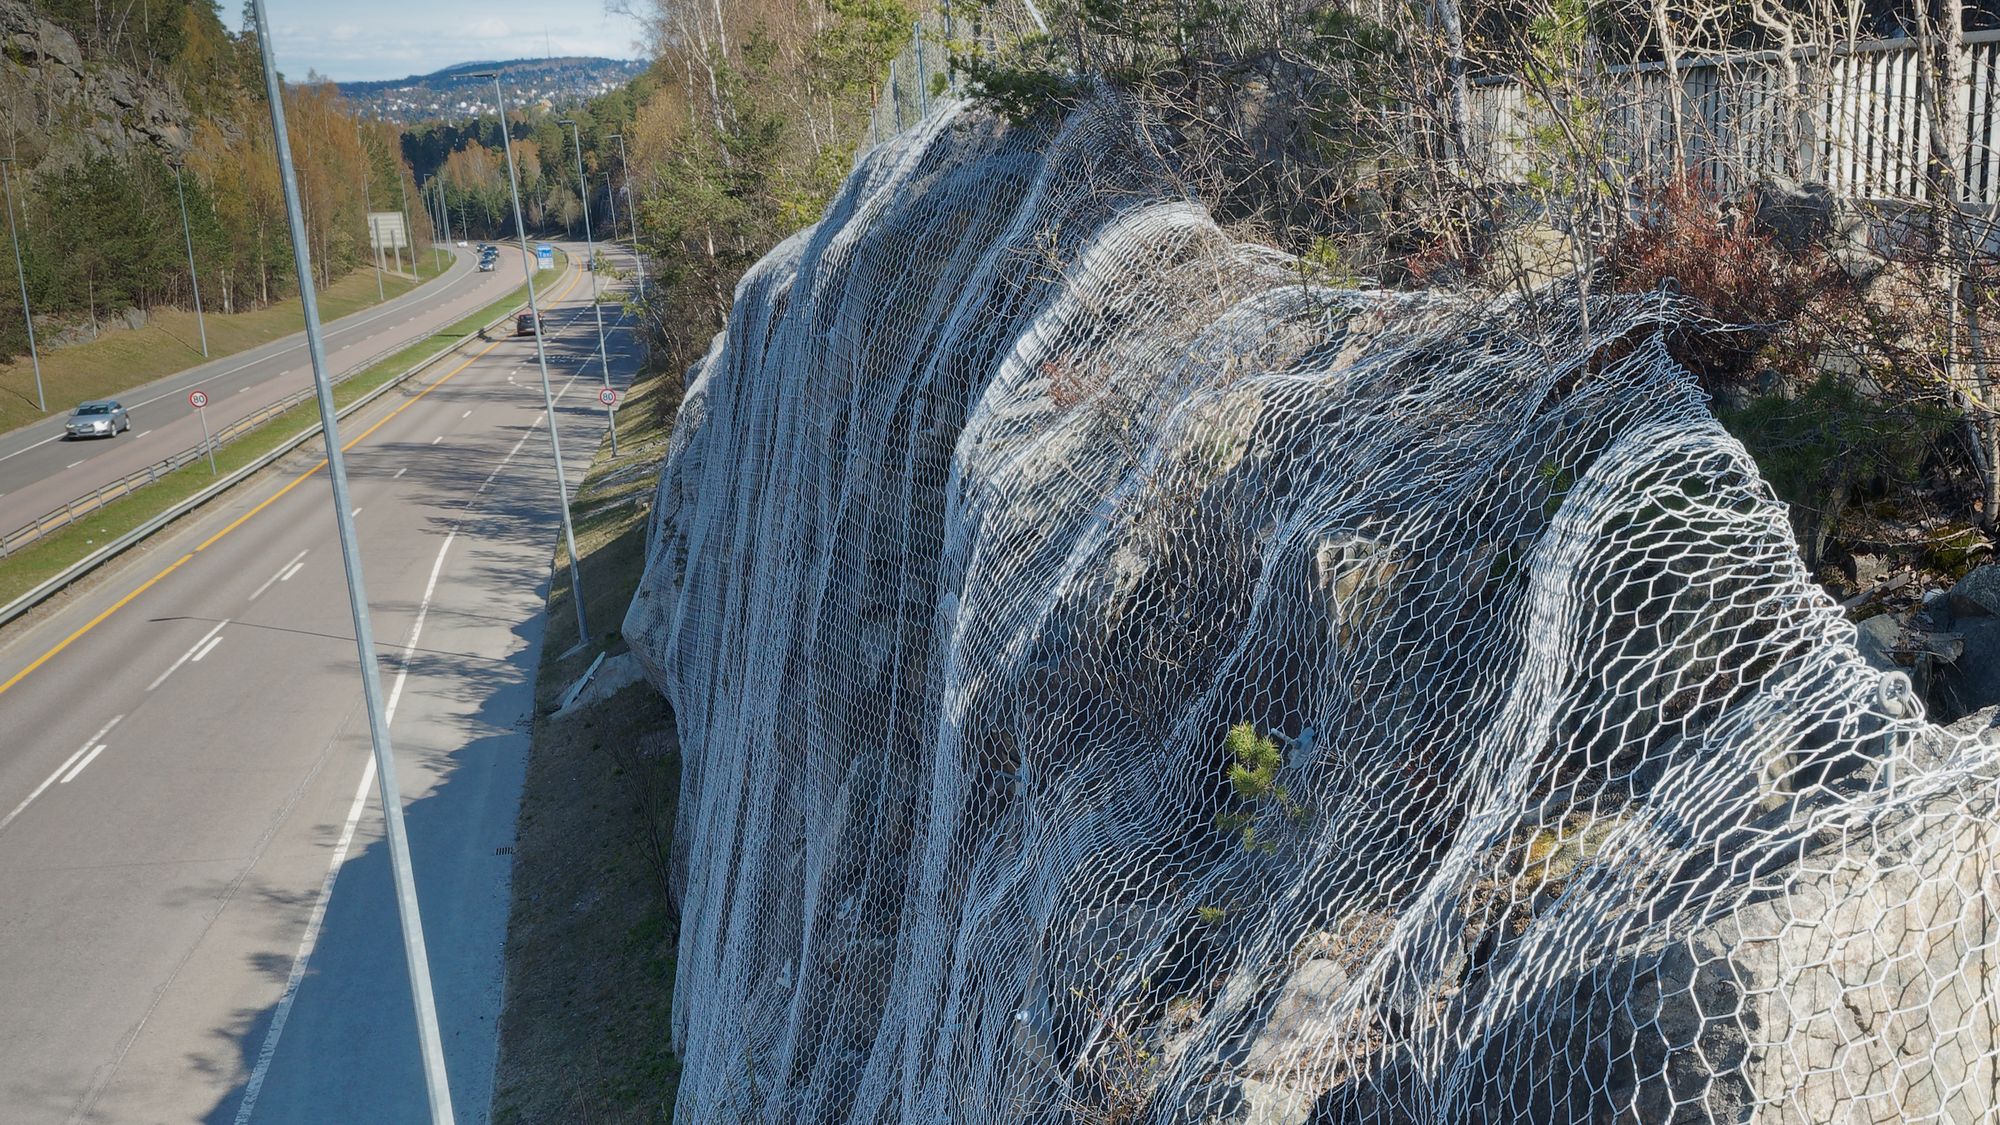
(284, 573)
(283, 1011)
(205, 649)
(78, 768)
(172, 392)
(190, 652)
(239, 521)
(87, 626)
(74, 464)
(60, 770)
(465, 415)
(354, 513)
(400, 472)
(310, 938)
(437, 439)
(142, 433)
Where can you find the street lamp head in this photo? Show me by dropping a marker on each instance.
(482, 74)
(566, 121)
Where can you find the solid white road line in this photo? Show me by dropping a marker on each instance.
(206, 649)
(283, 1011)
(283, 573)
(78, 768)
(189, 653)
(60, 770)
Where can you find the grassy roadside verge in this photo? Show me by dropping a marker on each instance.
(171, 342)
(36, 563)
(585, 1029)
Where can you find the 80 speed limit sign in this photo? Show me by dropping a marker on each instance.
(608, 396)
(197, 399)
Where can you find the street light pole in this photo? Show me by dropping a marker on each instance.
(590, 262)
(631, 216)
(404, 195)
(436, 1082)
(194, 279)
(21, 273)
(541, 355)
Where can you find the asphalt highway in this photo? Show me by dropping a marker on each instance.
(41, 469)
(199, 920)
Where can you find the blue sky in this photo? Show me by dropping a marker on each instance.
(360, 40)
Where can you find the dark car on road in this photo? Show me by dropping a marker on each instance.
(99, 418)
(524, 325)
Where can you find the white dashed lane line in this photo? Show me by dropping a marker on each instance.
(284, 574)
(203, 646)
(92, 747)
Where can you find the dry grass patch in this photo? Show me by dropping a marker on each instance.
(170, 342)
(586, 1025)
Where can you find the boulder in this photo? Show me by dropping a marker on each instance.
(1854, 987)
(1797, 215)
(1868, 571)
(1876, 638)
(1978, 593)
(1971, 682)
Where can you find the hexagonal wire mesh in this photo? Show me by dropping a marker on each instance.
(1122, 679)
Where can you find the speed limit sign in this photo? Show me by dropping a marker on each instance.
(197, 399)
(608, 396)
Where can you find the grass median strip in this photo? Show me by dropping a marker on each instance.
(41, 560)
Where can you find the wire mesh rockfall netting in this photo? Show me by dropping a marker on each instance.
(1122, 679)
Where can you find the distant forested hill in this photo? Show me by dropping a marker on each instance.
(450, 95)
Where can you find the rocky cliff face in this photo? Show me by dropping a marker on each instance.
(48, 88)
(1123, 679)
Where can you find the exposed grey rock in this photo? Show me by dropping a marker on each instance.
(1868, 570)
(44, 78)
(1972, 681)
(1798, 215)
(1983, 724)
(613, 676)
(1978, 594)
(1875, 638)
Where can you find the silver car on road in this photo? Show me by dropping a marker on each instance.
(100, 418)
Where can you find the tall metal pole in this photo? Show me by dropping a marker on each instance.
(632, 216)
(541, 355)
(436, 1083)
(404, 195)
(21, 273)
(590, 260)
(194, 279)
(368, 207)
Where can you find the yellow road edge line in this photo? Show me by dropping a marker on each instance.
(93, 623)
(267, 502)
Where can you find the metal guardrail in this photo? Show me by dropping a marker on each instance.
(77, 507)
(139, 534)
